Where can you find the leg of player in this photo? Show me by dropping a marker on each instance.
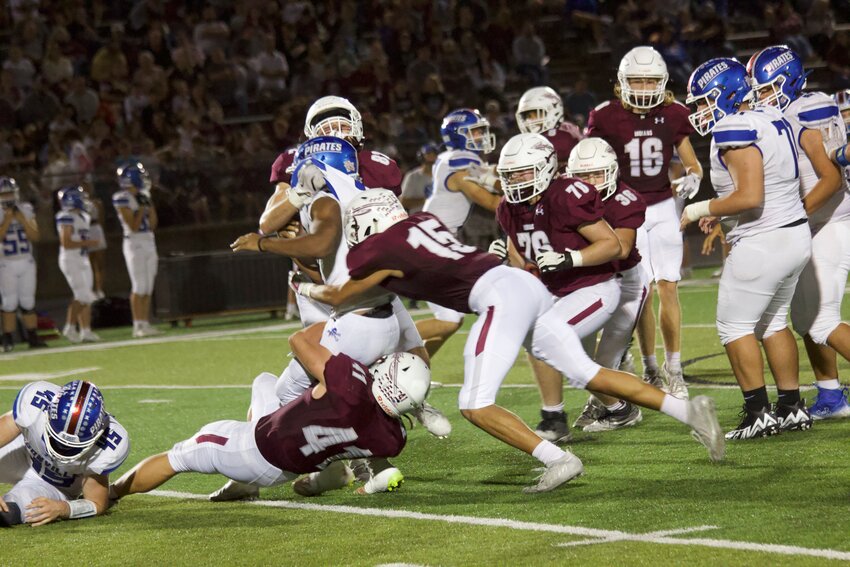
(646, 341)
(144, 477)
(436, 332)
(70, 330)
(831, 401)
(30, 318)
(553, 420)
(9, 323)
(783, 359)
(670, 319)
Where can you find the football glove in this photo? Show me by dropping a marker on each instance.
(310, 181)
(550, 261)
(300, 283)
(498, 248)
(687, 187)
(484, 175)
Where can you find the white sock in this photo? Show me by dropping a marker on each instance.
(559, 408)
(649, 362)
(137, 325)
(674, 361)
(85, 330)
(675, 408)
(547, 452)
(831, 384)
(618, 405)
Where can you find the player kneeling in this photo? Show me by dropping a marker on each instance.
(353, 412)
(57, 447)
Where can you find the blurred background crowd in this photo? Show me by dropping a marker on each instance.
(207, 93)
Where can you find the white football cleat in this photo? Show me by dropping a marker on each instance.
(557, 473)
(89, 336)
(72, 334)
(702, 416)
(385, 481)
(150, 331)
(433, 420)
(336, 475)
(234, 490)
(675, 383)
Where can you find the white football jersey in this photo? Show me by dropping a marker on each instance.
(122, 199)
(343, 188)
(818, 111)
(451, 207)
(30, 414)
(766, 129)
(80, 224)
(16, 245)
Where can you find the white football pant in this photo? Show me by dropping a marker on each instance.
(142, 263)
(617, 332)
(659, 242)
(78, 273)
(17, 283)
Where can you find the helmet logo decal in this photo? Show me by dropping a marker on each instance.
(779, 61)
(712, 73)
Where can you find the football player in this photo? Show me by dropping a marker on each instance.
(328, 116)
(545, 217)
(754, 169)
(541, 111)
(595, 162)
(354, 411)
(17, 265)
(138, 218)
(97, 253)
(57, 447)
(73, 225)
(644, 125)
(418, 257)
(778, 79)
(461, 178)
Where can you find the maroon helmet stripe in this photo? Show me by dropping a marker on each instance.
(78, 407)
(485, 330)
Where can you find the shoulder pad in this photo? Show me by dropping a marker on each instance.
(736, 131)
(813, 109)
(33, 400)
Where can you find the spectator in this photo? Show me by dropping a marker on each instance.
(580, 101)
(529, 55)
(31, 39)
(150, 78)
(418, 183)
(187, 57)
(84, 100)
(20, 68)
(109, 63)
(434, 105)
(488, 76)
(39, 107)
(421, 68)
(838, 60)
(786, 26)
(211, 34)
(272, 68)
(156, 45)
(56, 69)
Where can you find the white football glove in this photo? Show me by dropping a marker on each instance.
(311, 180)
(499, 248)
(484, 175)
(687, 187)
(300, 283)
(550, 260)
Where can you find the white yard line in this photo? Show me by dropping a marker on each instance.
(604, 535)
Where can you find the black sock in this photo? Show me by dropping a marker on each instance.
(788, 397)
(7, 339)
(756, 400)
(32, 336)
(12, 517)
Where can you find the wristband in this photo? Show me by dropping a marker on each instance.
(696, 211)
(81, 509)
(306, 289)
(841, 156)
(576, 257)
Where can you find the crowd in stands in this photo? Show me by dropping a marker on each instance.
(206, 93)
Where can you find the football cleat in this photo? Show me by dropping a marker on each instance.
(553, 427)
(702, 416)
(89, 336)
(71, 334)
(557, 473)
(336, 475)
(8, 343)
(830, 404)
(150, 330)
(234, 490)
(387, 480)
(675, 383)
(433, 420)
(794, 417)
(593, 410)
(652, 376)
(761, 423)
(626, 416)
(627, 363)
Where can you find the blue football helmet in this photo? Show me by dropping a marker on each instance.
(134, 175)
(76, 419)
(9, 192)
(779, 69)
(330, 151)
(466, 129)
(72, 198)
(719, 86)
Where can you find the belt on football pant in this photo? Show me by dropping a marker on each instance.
(797, 222)
(380, 312)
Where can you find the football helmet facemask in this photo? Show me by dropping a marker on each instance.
(595, 156)
(718, 87)
(400, 382)
(539, 110)
(779, 69)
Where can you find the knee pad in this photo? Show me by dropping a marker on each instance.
(10, 302)
(729, 332)
(823, 327)
(292, 383)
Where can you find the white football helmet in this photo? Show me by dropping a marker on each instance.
(526, 167)
(642, 62)
(595, 155)
(371, 212)
(400, 382)
(333, 116)
(540, 109)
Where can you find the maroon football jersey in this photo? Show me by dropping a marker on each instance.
(307, 434)
(376, 170)
(552, 224)
(644, 143)
(625, 209)
(437, 267)
(564, 138)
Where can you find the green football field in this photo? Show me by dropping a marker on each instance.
(648, 496)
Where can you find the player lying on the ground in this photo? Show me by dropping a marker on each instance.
(57, 447)
(353, 412)
(418, 257)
